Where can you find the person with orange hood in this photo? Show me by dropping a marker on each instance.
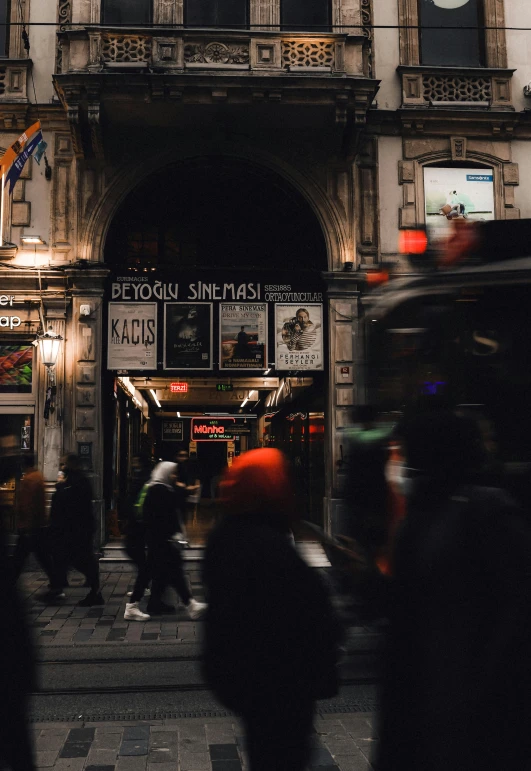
(271, 635)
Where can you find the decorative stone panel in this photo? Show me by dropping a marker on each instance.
(308, 53)
(126, 48)
(425, 86)
(455, 88)
(216, 53)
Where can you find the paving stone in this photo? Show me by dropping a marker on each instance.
(226, 765)
(45, 758)
(137, 732)
(81, 734)
(321, 757)
(98, 757)
(50, 742)
(99, 768)
(69, 764)
(194, 761)
(131, 764)
(107, 740)
(223, 752)
(134, 747)
(353, 763)
(75, 750)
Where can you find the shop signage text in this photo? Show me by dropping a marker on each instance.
(179, 388)
(172, 430)
(12, 322)
(205, 429)
(137, 288)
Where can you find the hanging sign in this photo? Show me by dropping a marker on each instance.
(132, 336)
(299, 336)
(212, 429)
(172, 430)
(178, 388)
(243, 336)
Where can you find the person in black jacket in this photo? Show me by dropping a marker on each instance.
(135, 538)
(72, 528)
(456, 688)
(271, 636)
(161, 518)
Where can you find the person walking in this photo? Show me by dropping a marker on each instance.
(31, 521)
(135, 538)
(161, 517)
(188, 486)
(271, 636)
(456, 688)
(72, 528)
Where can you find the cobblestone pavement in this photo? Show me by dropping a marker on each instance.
(64, 622)
(340, 744)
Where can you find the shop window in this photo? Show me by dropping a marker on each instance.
(5, 10)
(16, 368)
(305, 15)
(451, 32)
(131, 12)
(217, 13)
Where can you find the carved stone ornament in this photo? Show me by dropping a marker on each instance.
(458, 148)
(216, 53)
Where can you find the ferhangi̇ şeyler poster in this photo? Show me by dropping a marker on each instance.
(132, 336)
(243, 336)
(453, 193)
(188, 335)
(299, 336)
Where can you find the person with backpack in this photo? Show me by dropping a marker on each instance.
(135, 539)
(162, 523)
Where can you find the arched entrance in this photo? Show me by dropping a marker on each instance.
(218, 262)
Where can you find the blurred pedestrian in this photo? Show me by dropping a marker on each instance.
(456, 691)
(271, 635)
(17, 674)
(31, 520)
(188, 486)
(135, 537)
(72, 528)
(163, 529)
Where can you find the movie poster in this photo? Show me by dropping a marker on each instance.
(243, 336)
(299, 336)
(132, 336)
(453, 193)
(188, 336)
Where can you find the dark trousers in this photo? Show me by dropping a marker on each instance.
(137, 552)
(33, 542)
(81, 557)
(279, 736)
(166, 567)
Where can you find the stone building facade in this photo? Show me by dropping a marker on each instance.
(339, 107)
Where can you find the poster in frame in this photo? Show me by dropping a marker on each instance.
(188, 335)
(242, 336)
(132, 336)
(299, 336)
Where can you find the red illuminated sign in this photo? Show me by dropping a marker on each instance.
(206, 429)
(179, 388)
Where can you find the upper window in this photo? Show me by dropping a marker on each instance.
(5, 9)
(217, 13)
(305, 15)
(451, 32)
(131, 12)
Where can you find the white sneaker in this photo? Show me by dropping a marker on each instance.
(147, 593)
(133, 613)
(196, 609)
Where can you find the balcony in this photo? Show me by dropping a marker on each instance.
(456, 88)
(156, 77)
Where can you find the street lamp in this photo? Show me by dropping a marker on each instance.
(49, 345)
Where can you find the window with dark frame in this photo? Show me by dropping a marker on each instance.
(217, 13)
(306, 15)
(134, 12)
(452, 33)
(5, 12)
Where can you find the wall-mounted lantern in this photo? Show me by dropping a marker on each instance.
(49, 346)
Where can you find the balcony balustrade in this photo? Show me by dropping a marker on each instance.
(451, 87)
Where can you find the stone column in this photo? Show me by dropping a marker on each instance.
(52, 426)
(345, 385)
(85, 435)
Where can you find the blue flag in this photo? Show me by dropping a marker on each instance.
(20, 161)
(41, 149)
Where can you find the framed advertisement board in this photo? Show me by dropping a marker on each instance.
(188, 335)
(452, 193)
(132, 336)
(299, 336)
(242, 336)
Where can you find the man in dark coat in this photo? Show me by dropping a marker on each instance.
(72, 528)
(271, 635)
(456, 692)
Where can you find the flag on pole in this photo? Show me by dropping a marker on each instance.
(16, 148)
(39, 152)
(20, 161)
